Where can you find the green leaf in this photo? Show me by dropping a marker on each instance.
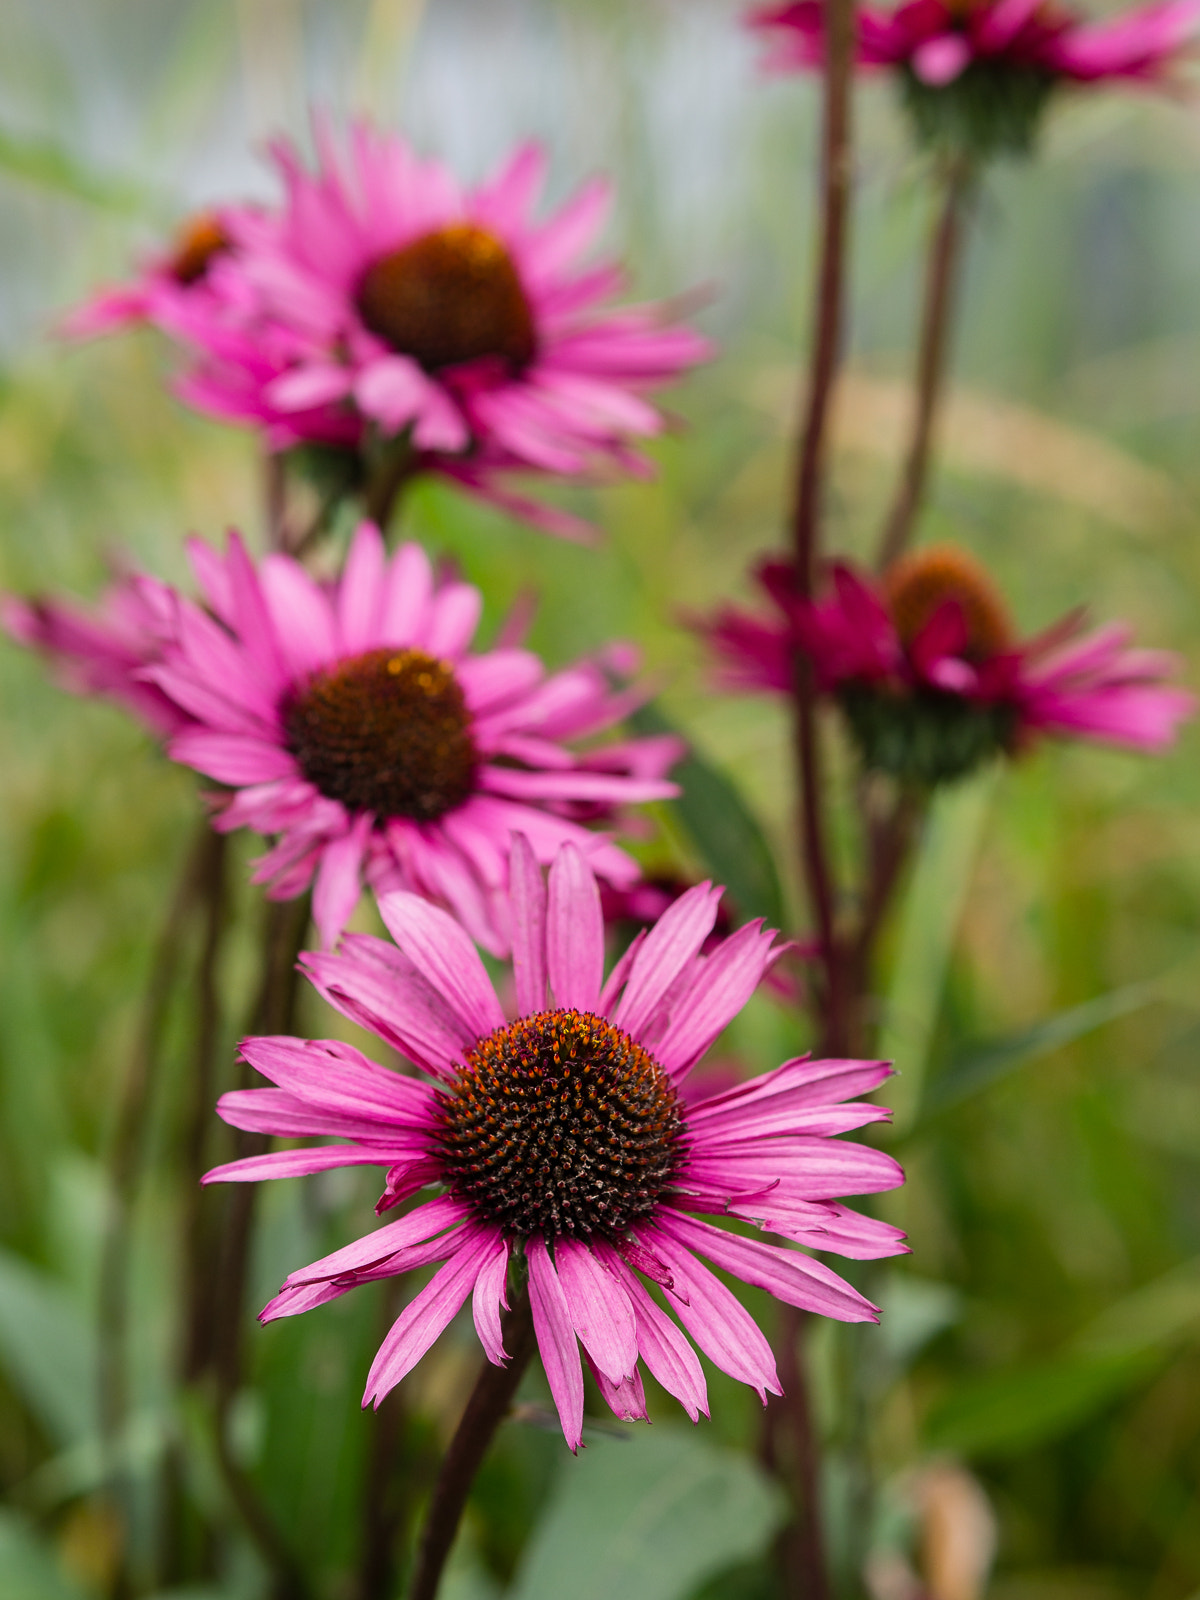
(723, 830)
(28, 1570)
(1009, 1412)
(932, 911)
(648, 1519)
(979, 1068)
(47, 1349)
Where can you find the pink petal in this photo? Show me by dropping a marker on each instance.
(661, 1345)
(791, 1277)
(627, 1399)
(231, 758)
(361, 592)
(428, 1313)
(669, 946)
(488, 1297)
(454, 617)
(439, 949)
(574, 933)
(419, 1225)
(528, 899)
(722, 987)
(716, 1318)
(296, 1163)
(408, 589)
(599, 1309)
(339, 881)
(556, 1340)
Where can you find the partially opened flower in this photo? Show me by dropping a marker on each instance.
(561, 1146)
(977, 74)
(105, 651)
(353, 722)
(385, 299)
(931, 676)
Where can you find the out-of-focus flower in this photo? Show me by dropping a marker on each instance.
(162, 286)
(930, 675)
(976, 74)
(353, 722)
(384, 305)
(563, 1146)
(105, 652)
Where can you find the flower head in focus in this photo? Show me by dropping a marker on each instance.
(353, 722)
(976, 74)
(561, 1143)
(383, 307)
(931, 676)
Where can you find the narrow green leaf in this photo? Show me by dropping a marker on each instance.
(47, 1349)
(1009, 1412)
(648, 1519)
(979, 1068)
(932, 911)
(723, 830)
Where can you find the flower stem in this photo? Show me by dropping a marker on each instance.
(941, 286)
(133, 1114)
(284, 933)
(803, 1547)
(485, 1410)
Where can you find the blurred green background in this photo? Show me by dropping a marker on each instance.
(1038, 1369)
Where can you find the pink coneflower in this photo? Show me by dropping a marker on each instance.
(562, 1146)
(353, 723)
(977, 73)
(162, 285)
(105, 652)
(385, 300)
(927, 668)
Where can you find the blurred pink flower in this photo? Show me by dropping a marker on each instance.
(104, 652)
(927, 669)
(596, 1189)
(976, 75)
(383, 301)
(939, 39)
(353, 723)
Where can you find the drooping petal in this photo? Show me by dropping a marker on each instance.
(556, 1340)
(599, 1309)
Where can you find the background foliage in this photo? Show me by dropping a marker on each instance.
(1041, 980)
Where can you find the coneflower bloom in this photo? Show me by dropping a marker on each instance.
(353, 723)
(977, 73)
(105, 651)
(561, 1145)
(929, 672)
(385, 298)
(163, 284)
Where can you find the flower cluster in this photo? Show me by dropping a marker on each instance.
(563, 1148)
(976, 74)
(352, 722)
(930, 675)
(388, 312)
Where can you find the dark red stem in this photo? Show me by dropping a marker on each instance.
(485, 1411)
(941, 285)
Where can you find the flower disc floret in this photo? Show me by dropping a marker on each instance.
(560, 1124)
(917, 586)
(450, 297)
(387, 731)
(200, 241)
